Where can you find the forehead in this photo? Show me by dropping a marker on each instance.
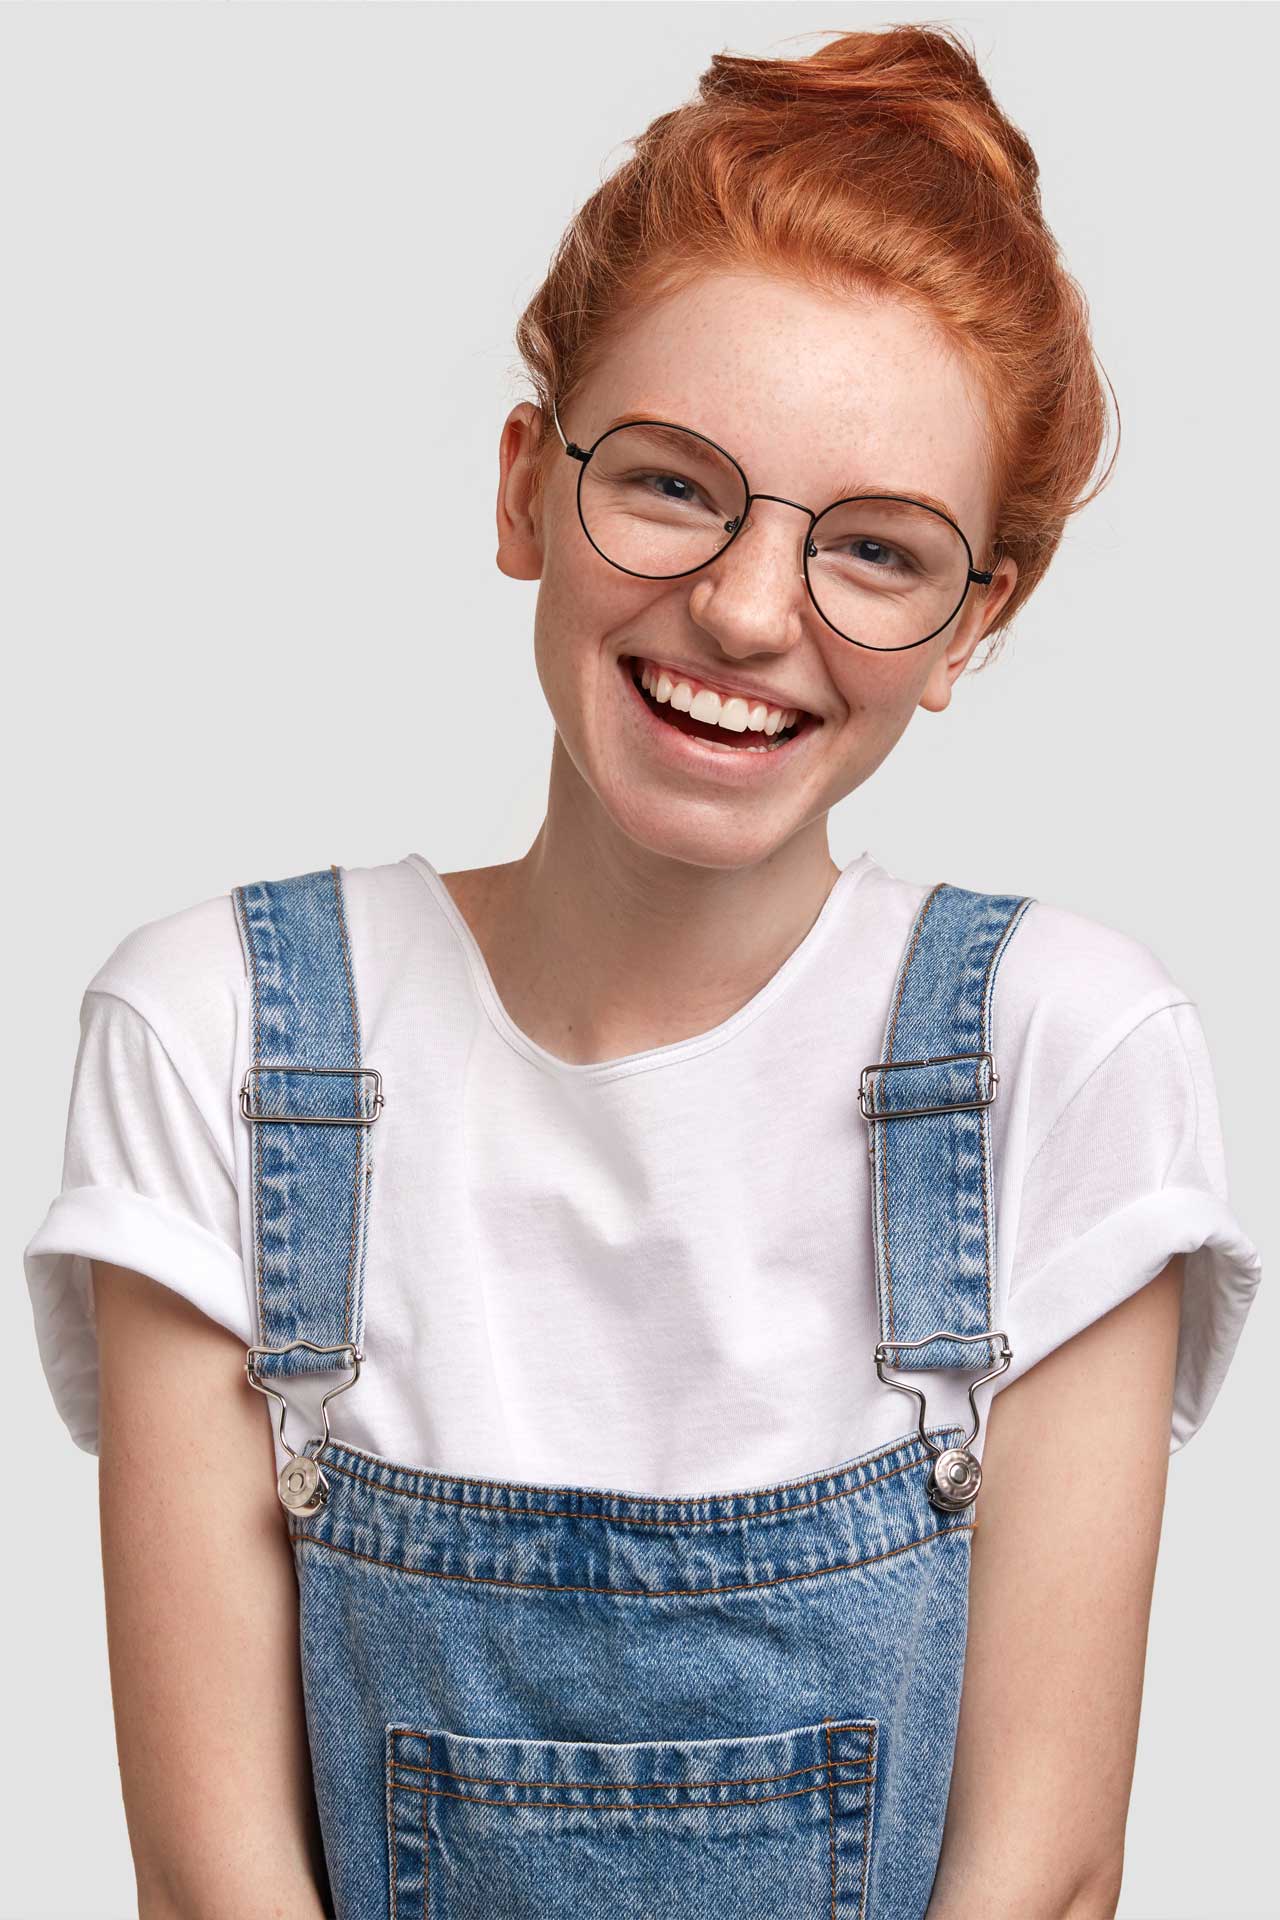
(814, 393)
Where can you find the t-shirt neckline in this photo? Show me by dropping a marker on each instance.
(648, 1058)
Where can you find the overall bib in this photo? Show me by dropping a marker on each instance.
(531, 1702)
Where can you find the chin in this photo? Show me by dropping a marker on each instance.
(724, 833)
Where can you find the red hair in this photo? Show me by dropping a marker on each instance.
(879, 163)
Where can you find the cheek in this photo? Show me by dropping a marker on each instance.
(581, 616)
(880, 693)
(879, 690)
(587, 612)
(557, 647)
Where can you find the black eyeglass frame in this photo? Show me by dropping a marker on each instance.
(975, 576)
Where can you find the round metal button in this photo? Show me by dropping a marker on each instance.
(301, 1485)
(954, 1482)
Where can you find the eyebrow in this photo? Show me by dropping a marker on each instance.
(849, 489)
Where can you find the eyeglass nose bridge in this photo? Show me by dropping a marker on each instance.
(734, 526)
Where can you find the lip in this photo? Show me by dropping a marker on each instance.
(727, 683)
(733, 766)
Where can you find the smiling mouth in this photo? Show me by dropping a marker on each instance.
(738, 733)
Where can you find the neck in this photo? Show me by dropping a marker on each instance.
(599, 947)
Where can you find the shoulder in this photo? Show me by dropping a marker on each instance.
(1068, 987)
(1082, 973)
(1058, 964)
(1070, 990)
(184, 972)
(177, 968)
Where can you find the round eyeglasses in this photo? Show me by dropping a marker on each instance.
(661, 501)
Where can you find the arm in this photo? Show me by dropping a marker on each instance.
(202, 1619)
(1064, 1555)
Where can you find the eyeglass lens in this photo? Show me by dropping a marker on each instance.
(660, 501)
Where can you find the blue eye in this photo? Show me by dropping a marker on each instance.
(875, 553)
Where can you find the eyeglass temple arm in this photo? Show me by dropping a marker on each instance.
(575, 452)
(556, 417)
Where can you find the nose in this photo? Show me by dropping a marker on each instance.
(752, 596)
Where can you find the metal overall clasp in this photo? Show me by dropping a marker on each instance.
(956, 1473)
(300, 1484)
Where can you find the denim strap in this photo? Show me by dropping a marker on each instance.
(933, 1198)
(310, 1181)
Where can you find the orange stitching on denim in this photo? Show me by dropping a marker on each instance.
(889, 1051)
(628, 1520)
(357, 1196)
(356, 1184)
(656, 1500)
(627, 1806)
(618, 1786)
(984, 1130)
(426, 1853)
(984, 1146)
(364, 1214)
(831, 1817)
(884, 1222)
(259, 1230)
(917, 930)
(837, 1726)
(393, 1837)
(630, 1593)
(866, 1831)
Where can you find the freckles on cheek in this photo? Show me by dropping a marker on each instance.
(886, 686)
(879, 703)
(869, 692)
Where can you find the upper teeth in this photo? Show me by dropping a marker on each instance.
(717, 709)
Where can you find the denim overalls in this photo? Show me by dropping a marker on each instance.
(571, 1704)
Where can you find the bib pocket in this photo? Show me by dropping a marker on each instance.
(723, 1829)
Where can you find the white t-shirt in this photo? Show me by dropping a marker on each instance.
(655, 1273)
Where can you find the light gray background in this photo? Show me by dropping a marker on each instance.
(261, 269)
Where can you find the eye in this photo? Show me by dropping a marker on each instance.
(870, 546)
(682, 490)
(878, 554)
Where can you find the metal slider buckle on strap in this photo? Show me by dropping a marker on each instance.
(865, 1097)
(312, 1119)
(956, 1473)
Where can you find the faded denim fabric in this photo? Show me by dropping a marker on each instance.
(574, 1704)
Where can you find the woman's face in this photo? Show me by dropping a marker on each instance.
(815, 397)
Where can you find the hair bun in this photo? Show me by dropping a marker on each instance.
(925, 80)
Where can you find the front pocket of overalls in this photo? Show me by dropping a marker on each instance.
(724, 1829)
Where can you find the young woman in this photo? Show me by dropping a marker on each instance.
(762, 1294)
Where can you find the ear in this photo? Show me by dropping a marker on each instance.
(978, 615)
(519, 505)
